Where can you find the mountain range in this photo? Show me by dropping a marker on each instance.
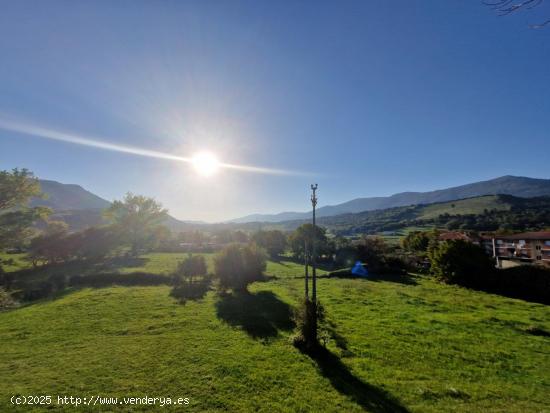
(81, 208)
(518, 186)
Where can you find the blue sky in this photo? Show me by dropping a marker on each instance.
(373, 97)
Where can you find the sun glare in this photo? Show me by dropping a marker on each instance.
(205, 163)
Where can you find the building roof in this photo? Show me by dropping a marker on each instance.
(542, 235)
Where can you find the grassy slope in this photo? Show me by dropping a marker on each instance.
(430, 346)
(464, 206)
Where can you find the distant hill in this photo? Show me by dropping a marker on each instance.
(510, 185)
(81, 209)
(484, 213)
(62, 197)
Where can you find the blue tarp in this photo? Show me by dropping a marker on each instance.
(359, 270)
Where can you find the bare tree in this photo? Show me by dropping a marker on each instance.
(507, 7)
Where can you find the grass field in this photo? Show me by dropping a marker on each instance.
(464, 206)
(397, 344)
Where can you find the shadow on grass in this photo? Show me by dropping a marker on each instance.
(191, 291)
(406, 279)
(325, 266)
(369, 397)
(123, 262)
(261, 315)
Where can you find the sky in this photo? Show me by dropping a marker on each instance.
(365, 98)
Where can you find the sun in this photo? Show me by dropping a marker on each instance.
(205, 163)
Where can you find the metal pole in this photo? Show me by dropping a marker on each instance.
(307, 274)
(313, 248)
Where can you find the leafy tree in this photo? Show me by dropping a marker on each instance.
(460, 262)
(95, 243)
(186, 286)
(418, 241)
(236, 266)
(52, 246)
(226, 236)
(16, 218)
(371, 250)
(274, 242)
(138, 219)
(304, 235)
(191, 267)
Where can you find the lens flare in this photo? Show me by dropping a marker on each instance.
(205, 163)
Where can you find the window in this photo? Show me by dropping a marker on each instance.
(547, 243)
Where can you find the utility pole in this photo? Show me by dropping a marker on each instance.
(307, 272)
(313, 249)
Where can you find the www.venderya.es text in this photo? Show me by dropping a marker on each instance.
(98, 400)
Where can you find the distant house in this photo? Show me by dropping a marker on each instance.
(524, 248)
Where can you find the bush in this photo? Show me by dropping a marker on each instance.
(460, 262)
(237, 266)
(191, 267)
(307, 317)
(186, 284)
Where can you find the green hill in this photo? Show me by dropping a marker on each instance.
(473, 206)
(484, 213)
(393, 345)
(518, 186)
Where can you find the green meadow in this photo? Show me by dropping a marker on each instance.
(395, 343)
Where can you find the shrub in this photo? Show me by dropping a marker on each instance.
(186, 284)
(460, 262)
(191, 267)
(237, 266)
(307, 317)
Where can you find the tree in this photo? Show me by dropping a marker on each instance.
(186, 286)
(274, 242)
(236, 266)
(460, 262)
(137, 218)
(372, 250)
(16, 218)
(52, 245)
(304, 235)
(191, 267)
(507, 7)
(95, 243)
(417, 241)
